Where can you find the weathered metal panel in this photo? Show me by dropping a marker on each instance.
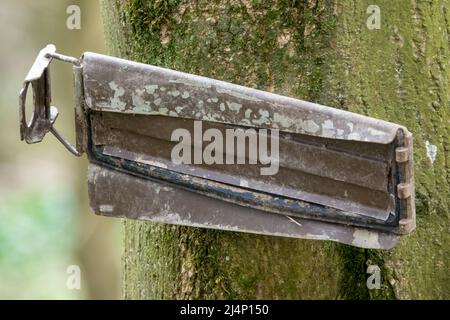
(335, 166)
(341, 177)
(158, 91)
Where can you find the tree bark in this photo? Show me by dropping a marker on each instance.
(316, 50)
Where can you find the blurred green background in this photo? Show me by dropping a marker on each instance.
(45, 221)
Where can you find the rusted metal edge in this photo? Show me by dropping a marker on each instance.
(150, 89)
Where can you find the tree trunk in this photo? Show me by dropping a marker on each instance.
(316, 50)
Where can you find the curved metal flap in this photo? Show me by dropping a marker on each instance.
(158, 91)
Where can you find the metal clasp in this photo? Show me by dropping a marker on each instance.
(44, 115)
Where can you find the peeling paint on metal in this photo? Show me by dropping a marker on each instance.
(263, 119)
(140, 103)
(118, 92)
(157, 102)
(310, 126)
(365, 239)
(151, 88)
(328, 129)
(185, 95)
(233, 106)
(174, 93)
(282, 120)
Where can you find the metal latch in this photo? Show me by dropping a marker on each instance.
(44, 115)
(177, 148)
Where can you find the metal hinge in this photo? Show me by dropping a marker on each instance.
(405, 187)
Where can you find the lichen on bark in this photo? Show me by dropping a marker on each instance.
(317, 50)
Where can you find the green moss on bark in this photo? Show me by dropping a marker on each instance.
(400, 73)
(320, 51)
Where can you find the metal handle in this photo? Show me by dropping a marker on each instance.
(44, 115)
